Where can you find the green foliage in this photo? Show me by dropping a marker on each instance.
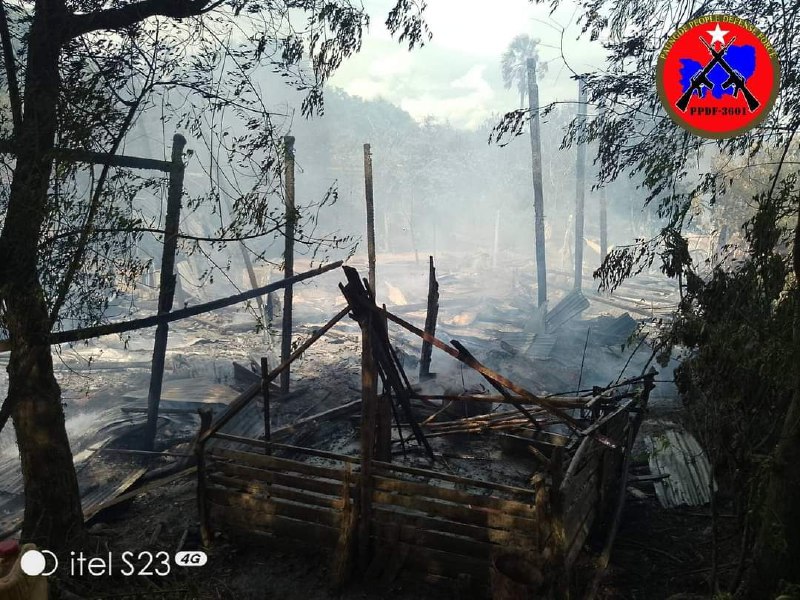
(738, 307)
(514, 63)
(196, 75)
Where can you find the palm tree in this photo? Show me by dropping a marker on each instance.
(514, 63)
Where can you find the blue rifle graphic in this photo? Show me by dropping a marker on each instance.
(701, 79)
(734, 79)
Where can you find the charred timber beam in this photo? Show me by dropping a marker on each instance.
(430, 321)
(545, 403)
(76, 335)
(369, 427)
(503, 392)
(562, 402)
(362, 301)
(496, 377)
(99, 158)
(200, 452)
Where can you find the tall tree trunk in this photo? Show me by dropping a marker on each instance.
(777, 549)
(536, 172)
(52, 502)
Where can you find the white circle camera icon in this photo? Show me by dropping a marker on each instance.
(34, 563)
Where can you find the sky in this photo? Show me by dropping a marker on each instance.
(456, 77)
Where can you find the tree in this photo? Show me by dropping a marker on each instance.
(514, 64)
(175, 48)
(637, 138)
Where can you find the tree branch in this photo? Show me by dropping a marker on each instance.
(125, 16)
(156, 231)
(11, 72)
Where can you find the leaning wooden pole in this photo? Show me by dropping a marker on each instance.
(430, 322)
(166, 292)
(288, 258)
(536, 170)
(580, 183)
(370, 215)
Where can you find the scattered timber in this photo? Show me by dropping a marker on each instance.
(394, 519)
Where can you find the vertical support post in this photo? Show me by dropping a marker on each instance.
(369, 410)
(288, 259)
(430, 321)
(536, 170)
(166, 291)
(200, 450)
(580, 183)
(370, 215)
(603, 218)
(265, 395)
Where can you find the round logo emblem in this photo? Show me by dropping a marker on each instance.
(718, 76)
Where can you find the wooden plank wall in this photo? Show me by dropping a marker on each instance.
(448, 532)
(590, 488)
(248, 492)
(424, 525)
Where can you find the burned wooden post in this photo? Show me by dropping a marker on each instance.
(387, 364)
(370, 215)
(536, 170)
(369, 416)
(430, 322)
(200, 453)
(265, 395)
(166, 287)
(288, 258)
(580, 183)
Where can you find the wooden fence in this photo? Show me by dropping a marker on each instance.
(433, 525)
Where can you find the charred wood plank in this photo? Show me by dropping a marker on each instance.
(430, 321)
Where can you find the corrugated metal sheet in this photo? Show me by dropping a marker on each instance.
(570, 306)
(96, 483)
(678, 454)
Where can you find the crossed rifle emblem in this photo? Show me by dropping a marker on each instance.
(701, 79)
